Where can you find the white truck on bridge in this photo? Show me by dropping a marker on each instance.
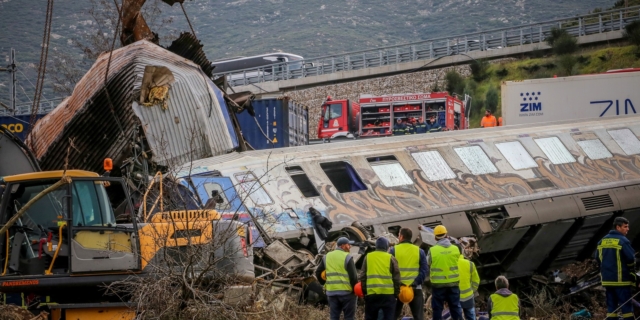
(615, 93)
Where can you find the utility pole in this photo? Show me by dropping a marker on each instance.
(11, 68)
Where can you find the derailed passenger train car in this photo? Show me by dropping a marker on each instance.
(536, 197)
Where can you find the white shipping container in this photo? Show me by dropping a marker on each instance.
(571, 98)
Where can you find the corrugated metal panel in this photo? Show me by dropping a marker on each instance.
(476, 160)
(626, 140)
(433, 165)
(556, 152)
(517, 155)
(18, 125)
(391, 174)
(595, 149)
(283, 120)
(101, 130)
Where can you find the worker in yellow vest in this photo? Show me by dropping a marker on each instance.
(504, 304)
(445, 278)
(341, 278)
(412, 262)
(380, 281)
(469, 283)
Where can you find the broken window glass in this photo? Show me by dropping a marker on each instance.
(627, 141)
(390, 172)
(217, 198)
(433, 165)
(516, 154)
(476, 160)
(595, 149)
(556, 152)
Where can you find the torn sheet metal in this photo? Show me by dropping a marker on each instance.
(195, 125)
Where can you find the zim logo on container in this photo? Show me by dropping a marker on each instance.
(530, 102)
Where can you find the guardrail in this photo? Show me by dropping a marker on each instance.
(22, 109)
(429, 49)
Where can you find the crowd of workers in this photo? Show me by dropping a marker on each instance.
(414, 126)
(392, 277)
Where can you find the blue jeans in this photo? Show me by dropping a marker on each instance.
(616, 296)
(469, 313)
(450, 295)
(339, 304)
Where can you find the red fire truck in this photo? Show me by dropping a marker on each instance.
(374, 116)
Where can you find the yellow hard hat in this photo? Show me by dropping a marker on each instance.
(406, 294)
(440, 230)
(324, 275)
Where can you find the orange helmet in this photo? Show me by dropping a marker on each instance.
(358, 290)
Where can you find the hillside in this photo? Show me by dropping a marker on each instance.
(245, 27)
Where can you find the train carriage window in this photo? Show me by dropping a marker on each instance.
(517, 155)
(433, 165)
(251, 185)
(343, 176)
(556, 152)
(390, 172)
(627, 141)
(476, 160)
(302, 181)
(595, 149)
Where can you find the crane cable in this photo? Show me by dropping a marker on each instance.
(42, 67)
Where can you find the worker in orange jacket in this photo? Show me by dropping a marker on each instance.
(488, 120)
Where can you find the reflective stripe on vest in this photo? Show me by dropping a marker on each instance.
(444, 264)
(337, 275)
(504, 308)
(379, 278)
(613, 244)
(408, 256)
(466, 269)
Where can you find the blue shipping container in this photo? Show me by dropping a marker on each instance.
(283, 120)
(18, 125)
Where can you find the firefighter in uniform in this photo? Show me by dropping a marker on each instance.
(412, 262)
(445, 278)
(341, 278)
(469, 283)
(433, 125)
(399, 128)
(421, 126)
(617, 265)
(504, 304)
(380, 282)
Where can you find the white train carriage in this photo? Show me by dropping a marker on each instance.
(536, 196)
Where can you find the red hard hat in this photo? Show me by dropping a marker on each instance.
(358, 290)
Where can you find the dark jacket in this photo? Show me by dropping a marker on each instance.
(424, 267)
(349, 265)
(421, 127)
(399, 129)
(434, 127)
(616, 272)
(395, 274)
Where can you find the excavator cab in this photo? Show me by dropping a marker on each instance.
(71, 230)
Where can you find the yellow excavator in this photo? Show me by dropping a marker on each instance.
(60, 242)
